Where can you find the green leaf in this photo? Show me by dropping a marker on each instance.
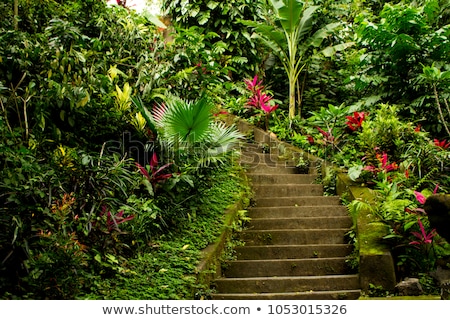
(203, 18)
(212, 4)
(355, 172)
(408, 225)
(154, 19)
(331, 50)
(289, 13)
(319, 35)
(98, 258)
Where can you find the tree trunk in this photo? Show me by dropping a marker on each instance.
(292, 87)
(436, 96)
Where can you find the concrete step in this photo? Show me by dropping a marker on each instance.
(287, 190)
(266, 169)
(259, 148)
(261, 178)
(296, 201)
(248, 252)
(314, 295)
(294, 236)
(285, 267)
(300, 223)
(270, 159)
(287, 284)
(297, 211)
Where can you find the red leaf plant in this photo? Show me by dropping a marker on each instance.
(355, 122)
(384, 165)
(157, 174)
(422, 236)
(421, 198)
(441, 144)
(113, 221)
(327, 135)
(259, 99)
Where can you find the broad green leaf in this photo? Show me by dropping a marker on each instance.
(212, 5)
(355, 172)
(445, 75)
(274, 39)
(289, 13)
(306, 22)
(79, 56)
(203, 17)
(154, 19)
(317, 38)
(331, 50)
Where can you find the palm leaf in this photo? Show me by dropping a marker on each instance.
(186, 123)
(222, 140)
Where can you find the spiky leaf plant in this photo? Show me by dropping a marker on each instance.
(188, 130)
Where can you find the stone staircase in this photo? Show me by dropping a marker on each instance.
(295, 245)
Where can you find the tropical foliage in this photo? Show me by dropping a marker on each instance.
(113, 155)
(289, 37)
(86, 185)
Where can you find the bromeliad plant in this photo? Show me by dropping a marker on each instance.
(259, 100)
(154, 175)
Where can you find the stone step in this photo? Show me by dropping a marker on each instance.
(296, 211)
(297, 201)
(248, 252)
(287, 190)
(315, 295)
(300, 223)
(260, 168)
(259, 148)
(260, 178)
(285, 267)
(287, 284)
(294, 236)
(270, 159)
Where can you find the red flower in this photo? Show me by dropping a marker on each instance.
(441, 144)
(310, 139)
(354, 122)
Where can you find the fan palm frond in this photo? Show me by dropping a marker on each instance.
(186, 123)
(221, 142)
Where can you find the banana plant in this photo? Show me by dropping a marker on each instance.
(290, 37)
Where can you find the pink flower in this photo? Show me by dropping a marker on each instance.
(420, 197)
